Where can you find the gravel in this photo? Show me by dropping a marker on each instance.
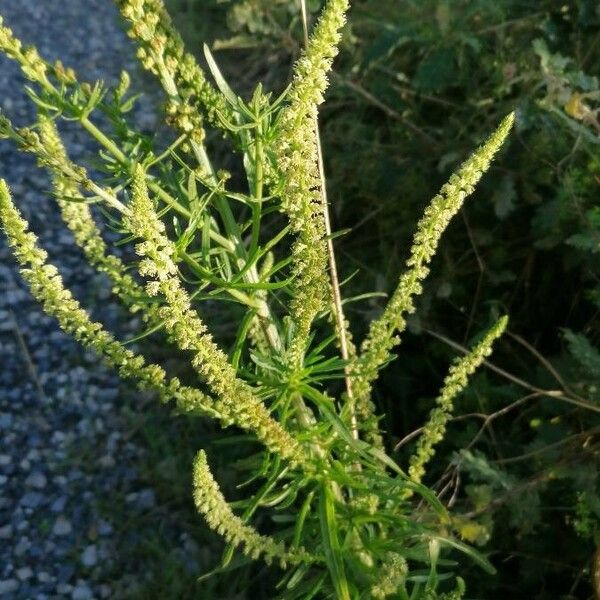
(89, 558)
(63, 445)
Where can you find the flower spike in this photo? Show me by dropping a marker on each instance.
(301, 194)
(186, 329)
(47, 287)
(78, 218)
(161, 51)
(383, 332)
(454, 384)
(210, 502)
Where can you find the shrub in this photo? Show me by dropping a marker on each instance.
(347, 521)
(416, 84)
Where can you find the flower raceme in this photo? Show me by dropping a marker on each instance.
(301, 193)
(161, 51)
(189, 333)
(455, 382)
(210, 502)
(321, 464)
(78, 217)
(46, 285)
(384, 332)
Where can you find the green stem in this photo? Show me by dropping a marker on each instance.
(233, 230)
(116, 152)
(237, 294)
(109, 145)
(331, 542)
(258, 187)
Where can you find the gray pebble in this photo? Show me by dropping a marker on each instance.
(89, 557)
(59, 504)
(82, 592)
(36, 480)
(62, 526)
(146, 499)
(22, 547)
(64, 588)
(106, 461)
(8, 586)
(6, 322)
(104, 528)
(23, 525)
(32, 500)
(24, 573)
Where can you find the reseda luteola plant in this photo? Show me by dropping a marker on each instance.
(361, 526)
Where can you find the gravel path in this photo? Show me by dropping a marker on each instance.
(63, 446)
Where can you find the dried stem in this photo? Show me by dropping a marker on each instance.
(338, 309)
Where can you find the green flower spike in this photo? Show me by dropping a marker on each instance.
(186, 329)
(47, 287)
(210, 502)
(384, 332)
(161, 51)
(456, 381)
(77, 216)
(301, 194)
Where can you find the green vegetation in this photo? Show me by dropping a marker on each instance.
(416, 85)
(350, 489)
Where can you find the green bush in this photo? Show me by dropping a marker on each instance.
(416, 85)
(337, 514)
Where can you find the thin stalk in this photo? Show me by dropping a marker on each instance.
(258, 187)
(109, 145)
(116, 152)
(249, 301)
(168, 151)
(556, 394)
(263, 310)
(265, 316)
(337, 304)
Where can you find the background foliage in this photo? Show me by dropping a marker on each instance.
(417, 86)
(374, 534)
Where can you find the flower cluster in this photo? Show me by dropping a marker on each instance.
(78, 218)
(210, 502)
(297, 158)
(161, 51)
(47, 287)
(362, 511)
(383, 332)
(454, 384)
(34, 68)
(393, 574)
(186, 329)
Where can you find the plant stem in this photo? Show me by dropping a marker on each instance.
(109, 145)
(263, 310)
(258, 186)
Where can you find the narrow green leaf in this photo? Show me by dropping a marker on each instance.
(331, 543)
(219, 79)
